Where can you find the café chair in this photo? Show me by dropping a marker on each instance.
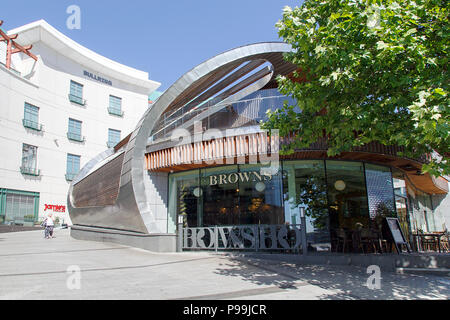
(369, 240)
(429, 243)
(343, 240)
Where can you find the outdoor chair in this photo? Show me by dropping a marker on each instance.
(369, 241)
(343, 240)
(429, 243)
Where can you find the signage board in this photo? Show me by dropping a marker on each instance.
(245, 237)
(97, 78)
(55, 208)
(394, 232)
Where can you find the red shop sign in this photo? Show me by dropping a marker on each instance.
(55, 208)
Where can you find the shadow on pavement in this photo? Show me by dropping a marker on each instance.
(346, 282)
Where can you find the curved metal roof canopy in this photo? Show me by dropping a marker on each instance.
(127, 197)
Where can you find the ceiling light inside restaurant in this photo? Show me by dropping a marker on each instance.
(198, 192)
(260, 187)
(340, 185)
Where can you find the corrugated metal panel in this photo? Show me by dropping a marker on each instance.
(101, 187)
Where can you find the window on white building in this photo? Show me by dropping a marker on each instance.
(31, 117)
(74, 132)
(115, 106)
(76, 93)
(113, 138)
(73, 166)
(29, 160)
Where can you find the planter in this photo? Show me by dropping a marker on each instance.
(28, 223)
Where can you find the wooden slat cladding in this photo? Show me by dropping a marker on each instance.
(213, 151)
(101, 187)
(373, 147)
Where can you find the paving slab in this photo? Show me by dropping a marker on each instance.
(35, 268)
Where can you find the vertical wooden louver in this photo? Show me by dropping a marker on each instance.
(209, 151)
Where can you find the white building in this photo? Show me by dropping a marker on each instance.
(56, 114)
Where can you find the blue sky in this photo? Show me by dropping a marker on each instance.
(165, 38)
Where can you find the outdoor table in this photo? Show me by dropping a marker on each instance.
(434, 235)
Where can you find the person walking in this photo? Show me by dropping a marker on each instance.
(44, 224)
(50, 225)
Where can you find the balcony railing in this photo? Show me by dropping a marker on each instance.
(30, 171)
(70, 176)
(115, 112)
(75, 137)
(32, 125)
(77, 100)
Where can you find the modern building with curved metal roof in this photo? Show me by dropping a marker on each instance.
(198, 160)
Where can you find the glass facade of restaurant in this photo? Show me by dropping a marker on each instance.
(225, 196)
(338, 197)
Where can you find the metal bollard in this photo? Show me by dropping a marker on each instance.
(180, 234)
(303, 231)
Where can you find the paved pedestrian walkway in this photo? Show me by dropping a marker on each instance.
(32, 267)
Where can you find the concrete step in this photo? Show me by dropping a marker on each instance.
(433, 271)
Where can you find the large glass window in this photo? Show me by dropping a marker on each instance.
(113, 138)
(402, 205)
(380, 191)
(304, 186)
(347, 196)
(259, 196)
(220, 196)
(422, 210)
(185, 199)
(225, 196)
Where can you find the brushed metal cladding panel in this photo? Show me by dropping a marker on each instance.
(133, 210)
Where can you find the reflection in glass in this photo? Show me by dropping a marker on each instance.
(402, 206)
(348, 209)
(182, 200)
(260, 196)
(29, 157)
(339, 198)
(379, 192)
(240, 195)
(304, 186)
(220, 196)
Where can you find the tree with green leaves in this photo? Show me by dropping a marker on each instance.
(376, 71)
